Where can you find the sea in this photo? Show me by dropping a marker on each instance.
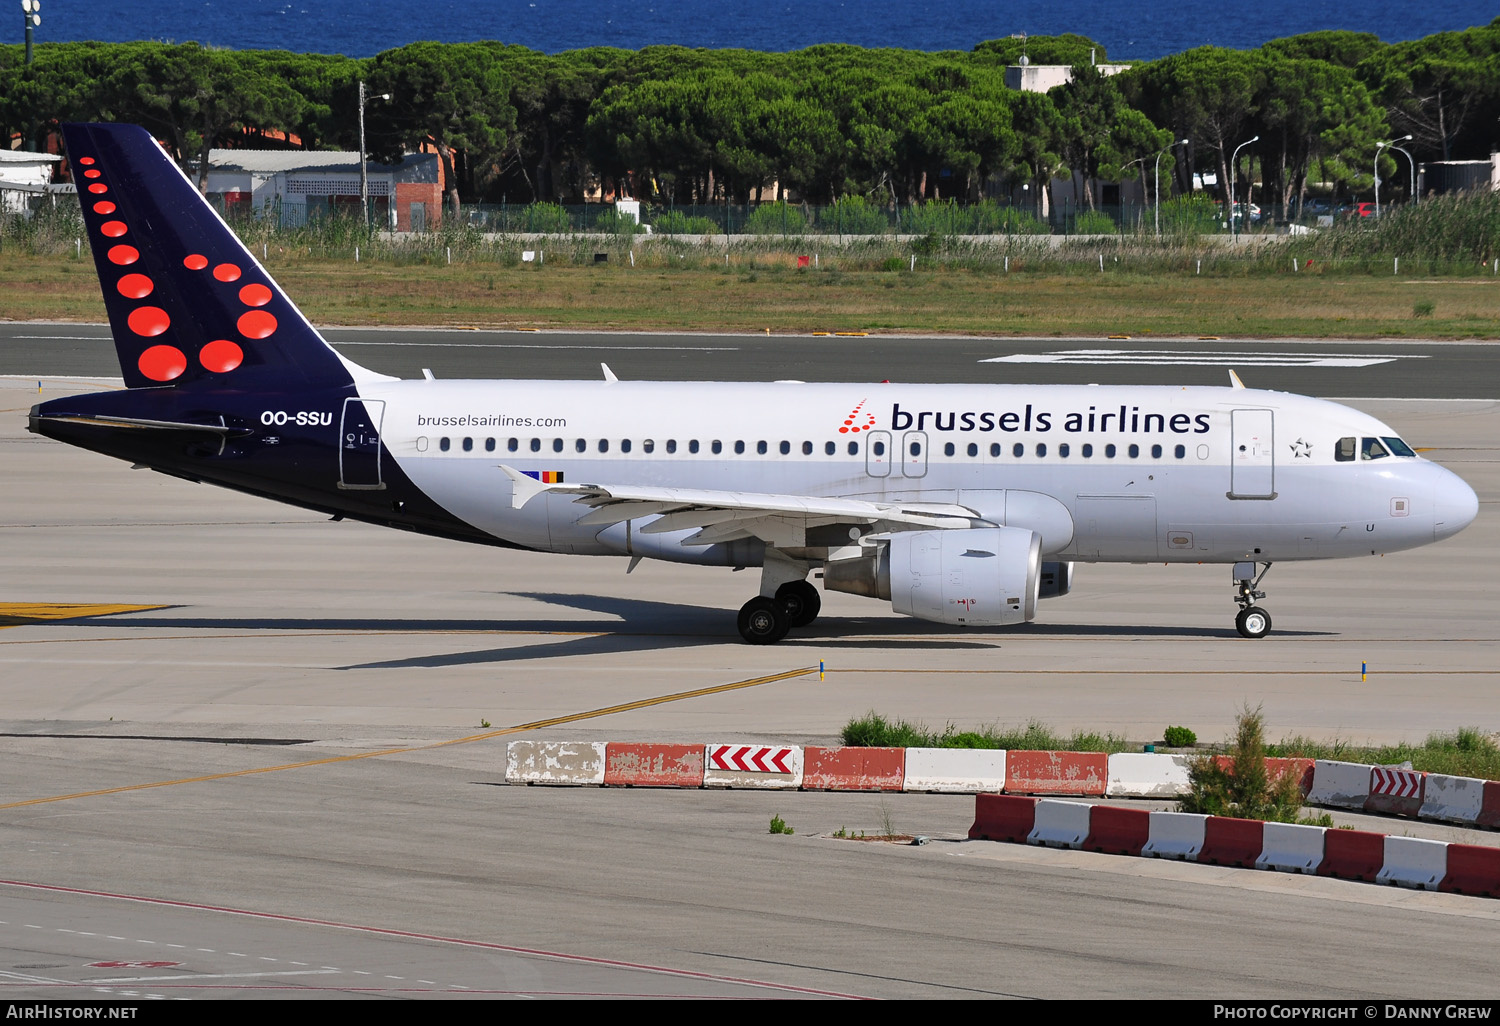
(1140, 30)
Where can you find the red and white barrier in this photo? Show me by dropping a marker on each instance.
(1292, 848)
(1003, 817)
(1060, 824)
(1343, 785)
(1118, 830)
(853, 769)
(555, 762)
(1395, 792)
(1175, 835)
(1352, 854)
(652, 765)
(949, 770)
(1146, 775)
(1414, 862)
(1232, 842)
(1450, 799)
(1074, 773)
(752, 766)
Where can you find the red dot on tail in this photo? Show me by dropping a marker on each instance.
(195, 261)
(135, 286)
(104, 207)
(148, 320)
(162, 363)
(221, 356)
(92, 173)
(255, 295)
(123, 255)
(85, 160)
(227, 272)
(114, 229)
(98, 188)
(257, 324)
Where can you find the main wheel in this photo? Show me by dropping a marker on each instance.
(1253, 622)
(763, 621)
(801, 602)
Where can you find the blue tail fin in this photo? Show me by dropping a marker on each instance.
(188, 305)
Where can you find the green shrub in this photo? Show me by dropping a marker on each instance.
(1094, 222)
(1179, 737)
(614, 222)
(854, 215)
(1194, 214)
(775, 219)
(546, 218)
(1244, 789)
(675, 222)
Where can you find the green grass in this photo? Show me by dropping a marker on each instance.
(874, 731)
(1467, 752)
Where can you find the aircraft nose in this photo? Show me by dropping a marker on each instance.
(1454, 506)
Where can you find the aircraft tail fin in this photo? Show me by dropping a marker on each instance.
(188, 304)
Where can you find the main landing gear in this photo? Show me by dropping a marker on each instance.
(1252, 621)
(765, 621)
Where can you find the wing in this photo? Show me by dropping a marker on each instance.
(722, 516)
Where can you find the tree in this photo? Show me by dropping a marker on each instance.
(1436, 86)
(1069, 48)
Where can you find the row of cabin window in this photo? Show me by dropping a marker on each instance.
(1018, 449)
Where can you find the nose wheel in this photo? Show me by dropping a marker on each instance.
(1252, 621)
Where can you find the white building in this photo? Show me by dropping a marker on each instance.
(292, 186)
(24, 177)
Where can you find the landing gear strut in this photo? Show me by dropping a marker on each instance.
(1252, 621)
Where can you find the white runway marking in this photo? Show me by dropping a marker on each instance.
(1201, 358)
(524, 345)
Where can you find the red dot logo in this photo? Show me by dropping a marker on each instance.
(227, 272)
(255, 295)
(162, 363)
(854, 415)
(104, 207)
(98, 188)
(85, 160)
(114, 229)
(123, 255)
(221, 356)
(135, 286)
(257, 324)
(148, 320)
(91, 173)
(195, 261)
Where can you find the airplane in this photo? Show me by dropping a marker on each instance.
(957, 504)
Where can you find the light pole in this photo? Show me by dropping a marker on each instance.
(1234, 167)
(364, 176)
(1413, 164)
(1380, 146)
(32, 10)
(1179, 142)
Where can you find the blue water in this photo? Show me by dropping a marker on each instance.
(1141, 30)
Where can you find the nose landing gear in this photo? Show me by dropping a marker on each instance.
(1252, 621)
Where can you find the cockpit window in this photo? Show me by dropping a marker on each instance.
(1397, 447)
(1345, 450)
(1371, 449)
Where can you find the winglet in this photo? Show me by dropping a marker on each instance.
(1234, 380)
(609, 375)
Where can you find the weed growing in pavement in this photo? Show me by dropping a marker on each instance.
(778, 826)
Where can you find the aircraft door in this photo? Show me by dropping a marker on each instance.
(1252, 464)
(359, 444)
(878, 453)
(914, 454)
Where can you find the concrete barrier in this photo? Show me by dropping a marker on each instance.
(1060, 824)
(1343, 785)
(1414, 862)
(1075, 773)
(1115, 830)
(772, 767)
(555, 762)
(954, 770)
(1395, 792)
(1175, 835)
(853, 769)
(1292, 848)
(1472, 869)
(1489, 813)
(1141, 775)
(652, 765)
(1352, 854)
(1450, 799)
(1003, 817)
(1232, 842)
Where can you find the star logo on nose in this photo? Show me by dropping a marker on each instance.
(1301, 449)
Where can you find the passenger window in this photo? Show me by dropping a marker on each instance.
(580, 445)
(1135, 450)
(624, 445)
(671, 445)
(604, 445)
(648, 445)
(739, 448)
(468, 445)
(853, 448)
(1156, 452)
(786, 448)
(807, 448)
(1041, 448)
(1062, 450)
(994, 448)
(1343, 452)
(760, 448)
(947, 449)
(1018, 450)
(1088, 450)
(693, 446)
(1109, 451)
(973, 449)
(489, 445)
(443, 444)
(557, 445)
(1180, 452)
(717, 447)
(829, 448)
(916, 449)
(1371, 449)
(512, 444)
(879, 448)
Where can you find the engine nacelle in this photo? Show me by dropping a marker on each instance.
(1057, 580)
(980, 577)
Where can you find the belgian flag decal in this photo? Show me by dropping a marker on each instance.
(545, 476)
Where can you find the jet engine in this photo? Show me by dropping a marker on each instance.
(979, 577)
(1057, 580)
